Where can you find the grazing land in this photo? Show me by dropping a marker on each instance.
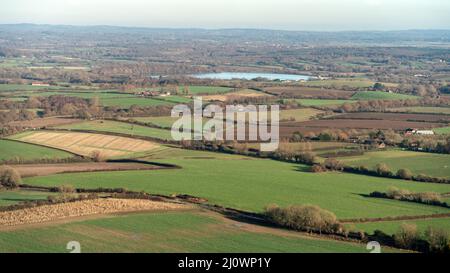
(30, 170)
(442, 131)
(86, 144)
(166, 232)
(321, 102)
(13, 150)
(419, 163)
(252, 184)
(12, 197)
(395, 116)
(425, 110)
(121, 128)
(378, 95)
(302, 114)
(391, 227)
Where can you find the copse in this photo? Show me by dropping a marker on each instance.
(307, 218)
(9, 177)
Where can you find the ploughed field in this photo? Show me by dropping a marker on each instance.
(120, 128)
(29, 170)
(86, 144)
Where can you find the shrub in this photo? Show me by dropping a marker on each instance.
(405, 174)
(333, 164)
(66, 189)
(383, 170)
(308, 218)
(317, 168)
(9, 177)
(438, 239)
(407, 236)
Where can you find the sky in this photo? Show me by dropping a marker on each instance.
(324, 15)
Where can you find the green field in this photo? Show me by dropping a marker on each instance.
(26, 87)
(339, 83)
(379, 95)
(442, 130)
(251, 184)
(391, 227)
(17, 150)
(322, 102)
(302, 114)
(120, 127)
(16, 196)
(195, 90)
(419, 163)
(128, 102)
(164, 232)
(164, 121)
(425, 110)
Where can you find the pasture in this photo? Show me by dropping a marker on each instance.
(12, 197)
(424, 110)
(165, 232)
(302, 114)
(391, 227)
(13, 150)
(26, 87)
(442, 131)
(121, 128)
(419, 163)
(251, 184)
(197, 90)
(86, 144)
(321, 102)
(379, 95)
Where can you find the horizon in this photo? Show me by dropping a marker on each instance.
(220, 29)
(289, 15)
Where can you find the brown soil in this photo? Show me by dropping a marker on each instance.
(395, 116)
(49, 169)
(310, 92)
(44, 122)
(82, 208)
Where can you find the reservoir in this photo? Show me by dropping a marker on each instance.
(251, 76)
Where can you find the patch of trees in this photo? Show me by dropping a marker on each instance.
(428, 198)
(307, 218)
(9, 178)
(431, 240)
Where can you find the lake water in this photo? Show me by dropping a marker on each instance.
(251, 76)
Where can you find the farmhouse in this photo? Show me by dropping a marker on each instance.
(410, 132)
(40, 84)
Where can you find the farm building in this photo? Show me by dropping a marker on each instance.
(409, 132)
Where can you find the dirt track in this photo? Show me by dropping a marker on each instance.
(82, 208)
(49, 169)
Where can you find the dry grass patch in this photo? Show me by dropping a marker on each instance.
(82, 208)
(86, 144)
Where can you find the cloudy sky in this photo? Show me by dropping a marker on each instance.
(273, 14)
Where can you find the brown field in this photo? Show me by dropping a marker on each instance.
(30, 170)
(395, 116)
(81, 208)
(310, 92)
(45, 122)
(317, 126)
(85, 143)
